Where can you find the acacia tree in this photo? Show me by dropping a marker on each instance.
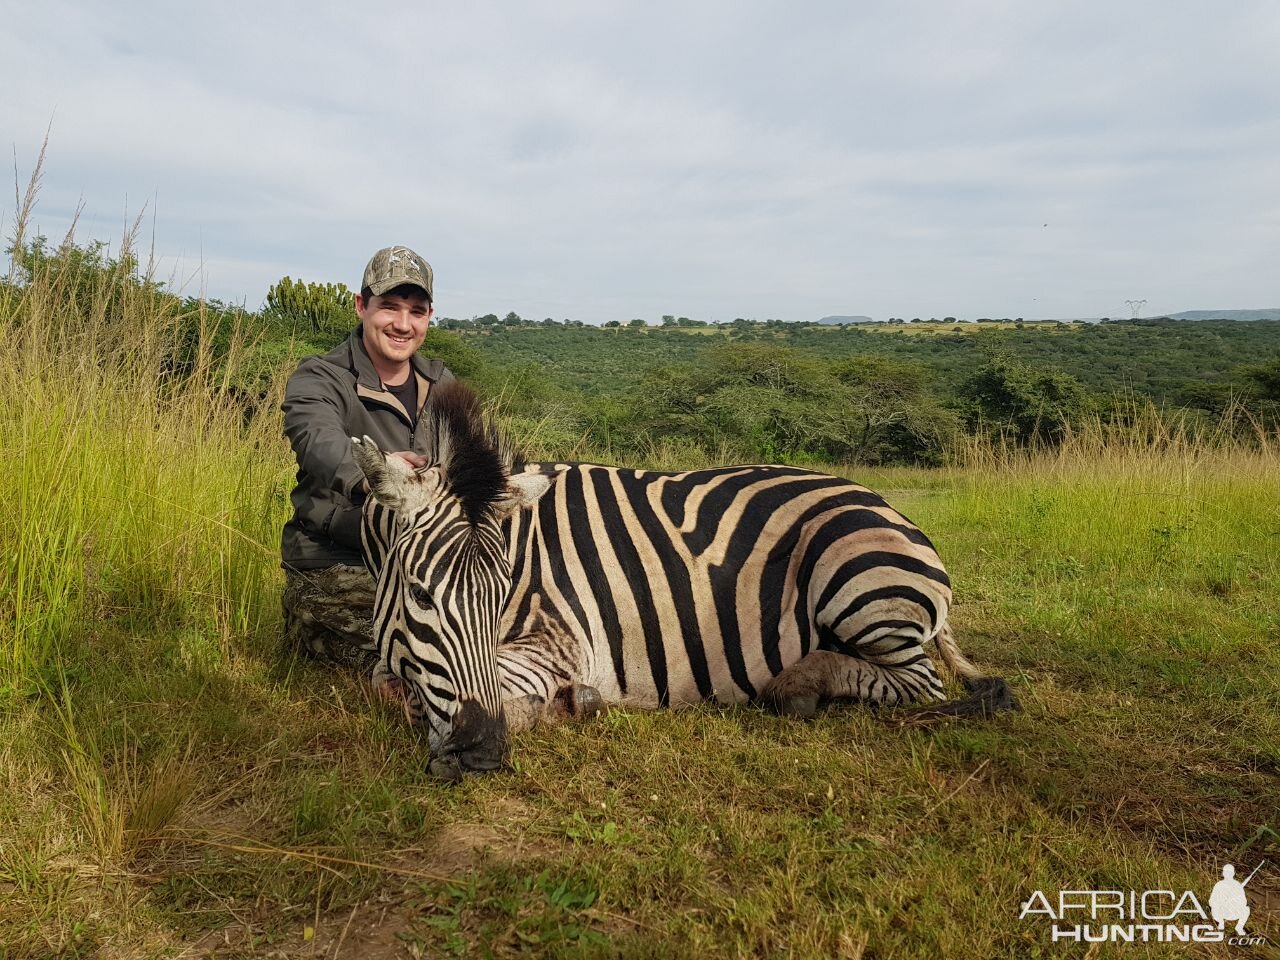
(1033, 404)
(898, 420)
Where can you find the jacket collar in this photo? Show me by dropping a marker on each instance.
(353, 356)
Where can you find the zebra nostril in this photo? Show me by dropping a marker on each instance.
(447, 768)
(477, 743)
(487, 759)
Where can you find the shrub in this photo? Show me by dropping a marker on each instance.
(1027, 403)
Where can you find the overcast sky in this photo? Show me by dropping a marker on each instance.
(607, 161)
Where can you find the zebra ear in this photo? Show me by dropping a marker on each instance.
(386, 476)
(523, 490)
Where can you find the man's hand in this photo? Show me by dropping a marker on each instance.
(414, 460)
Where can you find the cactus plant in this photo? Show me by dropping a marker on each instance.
(314, 308)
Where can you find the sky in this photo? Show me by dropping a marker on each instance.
(713, 160)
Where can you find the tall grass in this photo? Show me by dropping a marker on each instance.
(1149, 490)
(133, 493)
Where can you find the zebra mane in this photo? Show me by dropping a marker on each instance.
(474, 455)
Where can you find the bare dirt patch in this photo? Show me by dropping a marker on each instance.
(379, 928)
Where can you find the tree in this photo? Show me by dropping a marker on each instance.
(1265, 380)
(637, 322)
(453, 323)
(899, 420)
(512, 319)
(316, 308)
(614, 323)
(1033, 404)
(668, 320)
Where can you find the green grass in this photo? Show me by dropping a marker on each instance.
(185, 778)
(174, 784)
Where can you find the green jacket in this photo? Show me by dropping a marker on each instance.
(329, 400)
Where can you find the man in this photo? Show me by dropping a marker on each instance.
(374, 383)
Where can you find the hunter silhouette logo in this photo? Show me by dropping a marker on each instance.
(1149, 916)
(1228, 902)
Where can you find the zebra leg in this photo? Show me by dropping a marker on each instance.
(524, 711)
(540, 681)
(575, 701)
(579, 701)
(890, 670)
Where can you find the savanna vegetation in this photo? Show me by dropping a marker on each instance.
(173, 783)
(804, 393)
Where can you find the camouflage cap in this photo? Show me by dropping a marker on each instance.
(392, 266)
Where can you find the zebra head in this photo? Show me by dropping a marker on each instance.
(444, 575)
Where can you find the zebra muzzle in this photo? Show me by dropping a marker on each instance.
(477, 744)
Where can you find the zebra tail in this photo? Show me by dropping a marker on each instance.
(987, 695)
(955, 664)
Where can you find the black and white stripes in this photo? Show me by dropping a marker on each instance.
(755, 583)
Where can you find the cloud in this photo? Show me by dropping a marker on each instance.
(711, 160)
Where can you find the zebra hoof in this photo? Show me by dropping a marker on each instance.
(804, 707)
(580, 701)
(446, 768)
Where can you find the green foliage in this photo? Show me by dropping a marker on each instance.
(902, 422)
(459, 355)
(1264, 379)
(85, 293)
(87, 279)
(321, 310)
(762, 402)
(1028, 404)
(115, 417)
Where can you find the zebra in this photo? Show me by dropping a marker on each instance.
(511, 593)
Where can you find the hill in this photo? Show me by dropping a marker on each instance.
(831, 321)
(1270, 313)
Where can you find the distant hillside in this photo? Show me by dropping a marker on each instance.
(836, 320)
(1272, 313)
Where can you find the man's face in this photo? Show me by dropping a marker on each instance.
(394, 325)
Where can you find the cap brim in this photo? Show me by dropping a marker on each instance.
(382, 286)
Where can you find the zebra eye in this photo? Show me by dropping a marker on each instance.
(421, 597)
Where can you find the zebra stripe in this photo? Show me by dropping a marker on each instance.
(736, 584)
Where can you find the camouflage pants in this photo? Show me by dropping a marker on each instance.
(328, 615)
